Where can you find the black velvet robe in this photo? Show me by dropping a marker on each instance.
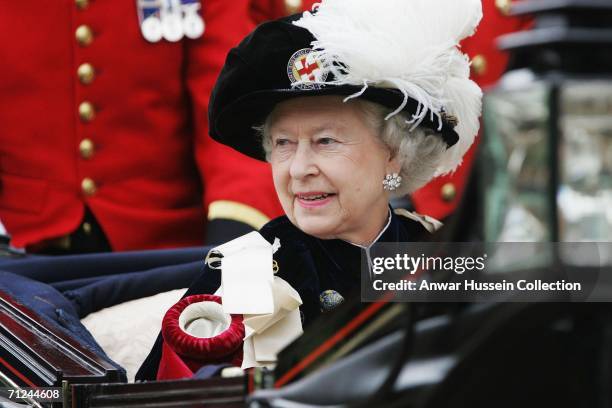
(310, 265)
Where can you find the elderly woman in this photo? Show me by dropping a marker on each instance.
(346, 119)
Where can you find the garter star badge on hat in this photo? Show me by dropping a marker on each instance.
(305, 71)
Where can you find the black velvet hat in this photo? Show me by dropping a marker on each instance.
(270, 66)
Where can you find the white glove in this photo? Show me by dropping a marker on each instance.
(2, 229)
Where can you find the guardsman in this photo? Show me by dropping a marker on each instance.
(441, 196)
(103, 130)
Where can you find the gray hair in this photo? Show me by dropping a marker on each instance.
(419, 151)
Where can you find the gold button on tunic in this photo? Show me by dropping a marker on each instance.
(448, 192)
(83, 35)
(88, 186)
(86, 73)
(479, 64)
(86, 148)
(86, 111)
(81, 4)
(293, 6)
(503, 6)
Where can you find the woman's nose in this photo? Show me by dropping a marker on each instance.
(303, 163)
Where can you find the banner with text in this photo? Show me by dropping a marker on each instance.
(475, 272)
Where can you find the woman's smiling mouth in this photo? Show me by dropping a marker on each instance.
(313, 199)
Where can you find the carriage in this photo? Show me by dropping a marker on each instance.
(370, 354)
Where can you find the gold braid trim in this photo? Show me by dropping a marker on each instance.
(232, 210)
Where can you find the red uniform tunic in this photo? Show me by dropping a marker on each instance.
(441, 196)
(264, 10)
(94, 115)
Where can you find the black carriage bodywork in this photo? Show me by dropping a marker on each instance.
(34, 354)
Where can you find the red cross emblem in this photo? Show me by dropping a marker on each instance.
(303, 69)
(307, 69)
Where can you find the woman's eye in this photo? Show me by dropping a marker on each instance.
(326, 141)
(281, 142)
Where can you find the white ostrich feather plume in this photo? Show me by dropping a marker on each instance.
(409, 45)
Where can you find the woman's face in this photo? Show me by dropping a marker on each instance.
(328, 165)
